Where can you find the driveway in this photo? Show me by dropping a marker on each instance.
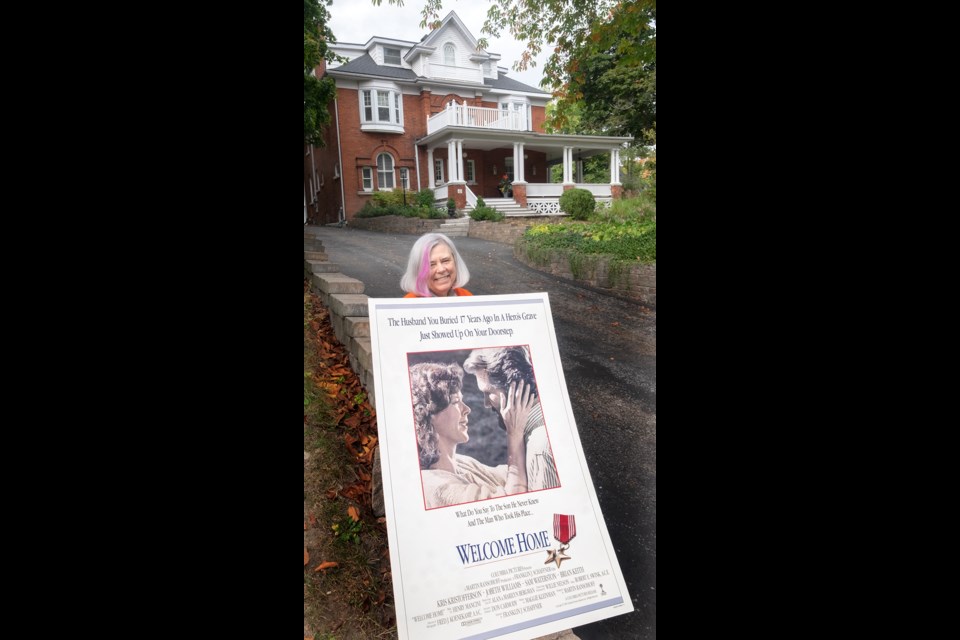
(608, 351)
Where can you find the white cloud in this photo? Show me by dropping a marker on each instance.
(358, 20)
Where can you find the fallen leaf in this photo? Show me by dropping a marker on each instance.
(323, 566)
(306, 556)
(353, 513)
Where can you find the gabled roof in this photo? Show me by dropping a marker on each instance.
(365, 65)
(452, 17)
(509, 84)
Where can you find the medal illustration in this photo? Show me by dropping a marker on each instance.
(564, 530)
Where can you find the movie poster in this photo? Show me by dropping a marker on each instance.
(493, 521)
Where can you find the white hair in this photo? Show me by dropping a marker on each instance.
(418, 265)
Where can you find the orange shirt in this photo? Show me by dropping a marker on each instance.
(460, 292)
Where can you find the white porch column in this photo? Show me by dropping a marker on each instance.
(567, 168)
(616, 165)
(460, 172)
(452, 161)
(515, 168)
(431, 182)
(521, 174)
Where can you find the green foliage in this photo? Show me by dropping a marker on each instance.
(628, 233)
(640, 210)
(425, 198)
(486, 213)
(317, 92)
(388, 198)
(372, 210)
(578, 203)
(347, 530)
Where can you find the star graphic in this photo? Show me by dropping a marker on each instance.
(557, 556)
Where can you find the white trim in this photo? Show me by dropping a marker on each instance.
(399, 62)
(391, 171)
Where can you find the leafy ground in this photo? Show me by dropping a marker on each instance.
(347, 588)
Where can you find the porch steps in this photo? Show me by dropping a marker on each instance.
(507, 206)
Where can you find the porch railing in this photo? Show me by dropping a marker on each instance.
(480, 117)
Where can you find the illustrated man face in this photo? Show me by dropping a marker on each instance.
(491, 393)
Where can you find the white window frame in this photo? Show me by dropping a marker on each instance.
(521, 106)
(399, 56)
(386, 173)
(381, 108)
(366, 177)
(450, 51)
(438, 172)
(470, 169)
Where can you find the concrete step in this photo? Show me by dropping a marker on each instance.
(315, 256)
(349, 304)
(337, 283)
(459, 227)
(322, 267)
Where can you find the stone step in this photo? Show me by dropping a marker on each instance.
(316, 256)
(357, 327)
(322, 267)
(337, 283)
(349, 304)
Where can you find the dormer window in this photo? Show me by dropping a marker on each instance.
(449, 54)
(486, 69)
(391, 56)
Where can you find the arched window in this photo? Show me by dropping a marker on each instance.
(450, 54)
(385, 171)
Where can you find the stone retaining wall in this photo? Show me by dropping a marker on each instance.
(505, 232)
(398, 224)
(637, 281)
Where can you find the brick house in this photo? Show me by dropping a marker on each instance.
(440, 114)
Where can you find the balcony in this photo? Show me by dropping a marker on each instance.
(479, 117)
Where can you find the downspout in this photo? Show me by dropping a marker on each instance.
(416, 157)
(342, 214)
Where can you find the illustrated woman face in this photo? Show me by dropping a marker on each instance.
(451, 423)
(443, 270)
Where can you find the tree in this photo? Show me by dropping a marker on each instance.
(604, 56)
(317, 92)
(611, 84)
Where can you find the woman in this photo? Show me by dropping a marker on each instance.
(435, 268)
(441, 421)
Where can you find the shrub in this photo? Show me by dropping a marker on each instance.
(387, 198)
(578, 203)
(425, 197)
(486, 213)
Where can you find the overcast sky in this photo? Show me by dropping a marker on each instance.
(358, 20)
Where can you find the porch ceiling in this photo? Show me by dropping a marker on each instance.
(550, 144)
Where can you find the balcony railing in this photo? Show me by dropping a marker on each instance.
(480, 117)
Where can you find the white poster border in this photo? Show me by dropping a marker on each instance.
(526, 596)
